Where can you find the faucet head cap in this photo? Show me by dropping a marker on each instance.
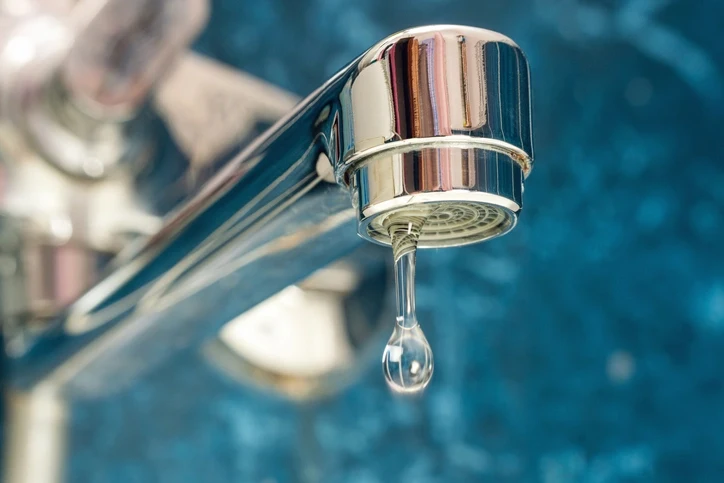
(438, 115)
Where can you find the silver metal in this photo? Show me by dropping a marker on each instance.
(439, 85)
(476, 194)
(58, 231)
(39, 274)
(122, 50)
(280, 209)
(75, 188)
(36, 108)
(36, 436)
(438, 116)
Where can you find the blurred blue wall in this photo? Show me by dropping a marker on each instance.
(586, 346)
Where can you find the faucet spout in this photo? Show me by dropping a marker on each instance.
(435, 115)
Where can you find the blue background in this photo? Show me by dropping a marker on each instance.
(586, 346)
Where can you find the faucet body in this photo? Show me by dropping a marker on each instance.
(436, 115)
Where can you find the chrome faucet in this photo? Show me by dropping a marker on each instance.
(432, 115)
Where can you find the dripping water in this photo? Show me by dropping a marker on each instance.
(407, 361)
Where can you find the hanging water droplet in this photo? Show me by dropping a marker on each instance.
(407, 361)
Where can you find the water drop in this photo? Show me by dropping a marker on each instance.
(407, 361)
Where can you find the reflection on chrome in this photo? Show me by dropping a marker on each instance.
(311, 339)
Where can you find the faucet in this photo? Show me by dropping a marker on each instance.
(432, 115)
(437, 115)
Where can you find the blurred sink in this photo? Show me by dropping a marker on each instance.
(311, 339)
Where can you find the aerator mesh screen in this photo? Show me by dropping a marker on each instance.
(447, 223)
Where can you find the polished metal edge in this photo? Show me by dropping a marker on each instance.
(458, 195)
(483, 34)
(361, 158)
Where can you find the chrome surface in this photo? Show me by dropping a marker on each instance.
(75, 186)
(438, 116)
(40, 272)
(123, 49)
(475, 194)
(446, 85)
(453, 100)
(57, 231)
(75, 78)
(36, 436)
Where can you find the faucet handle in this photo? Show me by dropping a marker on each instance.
(123, 47)
(73, 84)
